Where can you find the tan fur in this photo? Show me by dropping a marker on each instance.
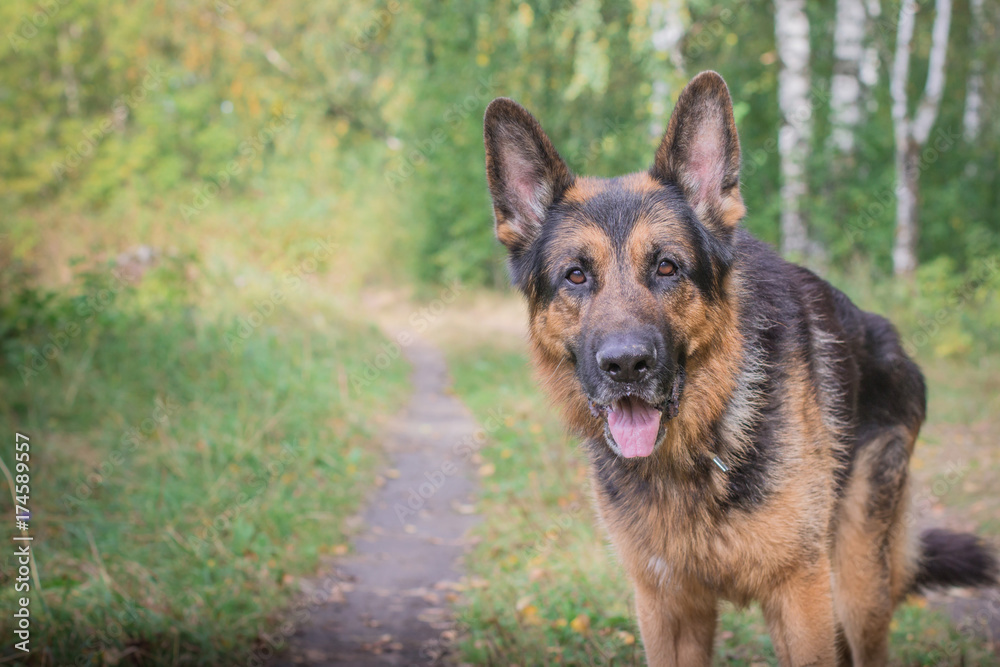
(827, 569)
(583, 188)
(873, 555)
(779, 554)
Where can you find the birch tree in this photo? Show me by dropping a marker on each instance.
(972, 118)
(667, 25)
(845, 86)
(871, 62)
(912, 131)
(791, 31)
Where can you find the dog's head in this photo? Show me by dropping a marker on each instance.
(623, 276)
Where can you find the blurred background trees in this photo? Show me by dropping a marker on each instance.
(132, 113)
(193, 194)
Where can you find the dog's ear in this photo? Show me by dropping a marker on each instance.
(525, 173)
(700, 152)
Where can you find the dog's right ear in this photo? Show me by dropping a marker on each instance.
(524, 171)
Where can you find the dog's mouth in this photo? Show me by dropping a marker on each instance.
(633, 426)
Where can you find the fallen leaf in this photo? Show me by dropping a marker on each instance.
(581, 624)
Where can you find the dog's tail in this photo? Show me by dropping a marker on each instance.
(954, 559)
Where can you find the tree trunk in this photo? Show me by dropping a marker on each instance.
(912, 134)
(870, 62)
(791, 31)
(904, 252)
(71, 87)
(972, 119)
(845, 85)
(666, 22)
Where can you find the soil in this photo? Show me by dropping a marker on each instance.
(388, 601)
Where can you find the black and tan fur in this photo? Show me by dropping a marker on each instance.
(810, 404)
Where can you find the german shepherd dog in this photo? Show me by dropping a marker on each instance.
(748, 428)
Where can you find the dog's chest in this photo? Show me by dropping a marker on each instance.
(675, 536)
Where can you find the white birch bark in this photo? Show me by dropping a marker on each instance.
(972, 118)
(791, 31)
(845, 85)
(911, 133)
(667, 25)
(870, 62)
(71, 87)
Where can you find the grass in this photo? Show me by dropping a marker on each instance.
(550, 590)
(195, 449)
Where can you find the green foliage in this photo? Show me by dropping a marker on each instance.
(166, 103)
(185, 470)
(547, 590)
(244, 134)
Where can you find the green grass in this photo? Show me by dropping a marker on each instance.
(547, 589)
(182, 482)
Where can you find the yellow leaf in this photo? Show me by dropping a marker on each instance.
(627, 637)
(526, 14)
(581, 624)
(487, 470)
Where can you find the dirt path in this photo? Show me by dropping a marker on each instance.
(388, 600)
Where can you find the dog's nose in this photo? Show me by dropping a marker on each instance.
(626, 358)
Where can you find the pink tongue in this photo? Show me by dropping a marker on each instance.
(634, 426)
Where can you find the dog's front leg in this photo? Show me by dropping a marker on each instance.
(677, 625)
(800, 617)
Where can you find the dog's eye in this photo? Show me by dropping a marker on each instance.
(576, 277)
(666, 268)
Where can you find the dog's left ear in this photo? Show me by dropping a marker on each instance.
(525, 173)
(700, 152)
